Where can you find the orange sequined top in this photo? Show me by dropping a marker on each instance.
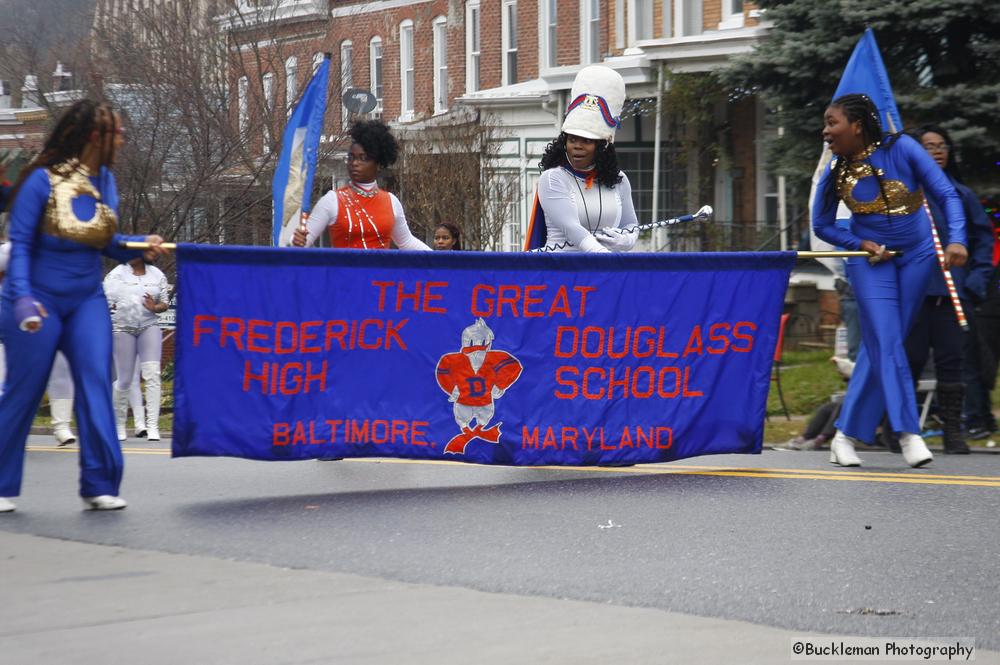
(364, 220)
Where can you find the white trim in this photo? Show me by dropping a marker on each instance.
(346, 77)
(243, 104)
(505, 45)
(547, 60)
(439, 28)
(731, 19)
(373, 7)
(473, 58)
(586, 34)
(291, 83)
(406, 65)
(267, 87)
(373, 84)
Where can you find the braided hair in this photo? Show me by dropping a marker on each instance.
(859, 108)
(71, 135)
(606, 169)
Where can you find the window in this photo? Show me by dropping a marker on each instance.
(688, 17)
(375, 65)
(243, 104)
(440, 64)
(643, 10)
(590, 39)
(472, 45)
(406, 69)
(346, 76)
(509, 36)
(550, 33)
(291, 83)
(317, 61)
(267, 83)
(732, 14)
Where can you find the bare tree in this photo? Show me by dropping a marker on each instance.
(452, 171)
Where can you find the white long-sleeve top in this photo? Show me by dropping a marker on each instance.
(325, 212)
(573, 212)
(125, 292)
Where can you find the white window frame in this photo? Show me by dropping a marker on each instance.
(473, 46)
(346, 77)
(267, 87)
(640, 28)
(376, 71)
(548, 32)
(731, 19)
(590, 29)
(406, 71)
(440, 29)
(243, 105)
(682, 8)
(509, 41)
(291, 83)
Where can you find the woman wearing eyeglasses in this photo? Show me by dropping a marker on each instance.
(936, 325)
(361, 215)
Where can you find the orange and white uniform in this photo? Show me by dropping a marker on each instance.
(362, 216)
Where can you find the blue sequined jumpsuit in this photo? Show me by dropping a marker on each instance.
(889, 293)
(59, 229)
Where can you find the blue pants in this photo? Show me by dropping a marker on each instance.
(889, 296)
(80, 327)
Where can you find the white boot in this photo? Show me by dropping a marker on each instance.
(6, 505)
(62, 413)
(138, 413)
(915, 451)
(842, 451)
(151, 375)
(121, 411)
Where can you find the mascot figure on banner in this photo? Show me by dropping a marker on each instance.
(473, 378)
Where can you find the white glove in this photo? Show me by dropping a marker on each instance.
(615, 240)
(590, 244)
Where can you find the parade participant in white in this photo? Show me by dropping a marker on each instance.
(582, 192)
(137, 292)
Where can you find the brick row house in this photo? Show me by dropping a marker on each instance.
(514, 61)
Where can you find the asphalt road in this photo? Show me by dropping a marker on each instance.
(781, 540)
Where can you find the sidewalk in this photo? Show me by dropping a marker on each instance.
(68, 602)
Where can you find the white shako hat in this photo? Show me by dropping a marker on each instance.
(595, 103)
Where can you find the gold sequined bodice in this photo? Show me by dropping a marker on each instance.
(68, 181)
(901, 201)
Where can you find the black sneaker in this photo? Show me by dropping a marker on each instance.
(978, 433)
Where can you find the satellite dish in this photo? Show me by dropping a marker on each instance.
(357, 100)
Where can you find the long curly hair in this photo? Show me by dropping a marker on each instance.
(605, 160)
(379, 143)
(70, 136)
(858, 108)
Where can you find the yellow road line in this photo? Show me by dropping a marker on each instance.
(902, 476)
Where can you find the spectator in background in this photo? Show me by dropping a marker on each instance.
(447, 236)
(936, 325)
(137, 292)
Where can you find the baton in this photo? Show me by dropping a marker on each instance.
(703, 215)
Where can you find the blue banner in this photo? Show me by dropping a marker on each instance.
(520, 359)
